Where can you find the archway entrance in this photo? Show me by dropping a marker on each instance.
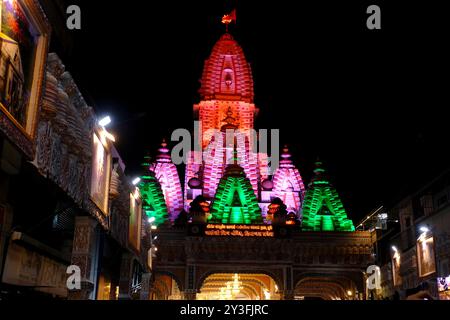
(238, 286)
(165, 288)
(325, 288)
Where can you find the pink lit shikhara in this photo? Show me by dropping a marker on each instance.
(227, 104)
(167, 175)
(288, 184)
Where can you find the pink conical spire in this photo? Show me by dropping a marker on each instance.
(286, 161)
(164, 153)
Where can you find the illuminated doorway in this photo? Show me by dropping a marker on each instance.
(239, 286)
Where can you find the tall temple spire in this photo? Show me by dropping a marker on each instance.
(227, 74)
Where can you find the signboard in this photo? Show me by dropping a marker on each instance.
(135, 224)
(101, 172)
(239, 230)
(426, 256)
(29, 269)
(23, 42)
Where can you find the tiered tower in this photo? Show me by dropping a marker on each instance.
(226, 104)
(238, 191)
(235, 202)
(322, 208)
(166, 173)
(154, 204)
(288, 184)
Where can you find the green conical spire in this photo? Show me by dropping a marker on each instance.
(322, 207)
(154, 204)
(235, 201)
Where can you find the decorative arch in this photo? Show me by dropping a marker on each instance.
(201, 279)
(172, 275)
(325, 285)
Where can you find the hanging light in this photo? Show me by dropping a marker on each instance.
(136, 181)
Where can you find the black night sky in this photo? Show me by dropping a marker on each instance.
(371, 104)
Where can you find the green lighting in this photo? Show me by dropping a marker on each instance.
(235, 202)
(154, 204)
(322, 207)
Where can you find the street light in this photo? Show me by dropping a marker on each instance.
(104, 122)
(151, 219)
(136, 181)
(424, 229)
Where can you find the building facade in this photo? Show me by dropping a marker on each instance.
(412, 247)
(246, 231)
(65, 200)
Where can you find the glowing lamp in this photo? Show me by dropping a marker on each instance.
(154, 227)
(424, 229)
(350, 293)
(151, 220)
(136, 181)
(394, 248)
(104, 122)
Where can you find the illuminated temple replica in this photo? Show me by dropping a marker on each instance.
(233, 224)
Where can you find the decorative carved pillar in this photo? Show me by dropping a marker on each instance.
(287, 295)
(190, 294)
(146, 286)
(191, 291)
(126, 275)
(83, 256)
(288, 292)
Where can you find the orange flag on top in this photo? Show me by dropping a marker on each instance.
(229, 18)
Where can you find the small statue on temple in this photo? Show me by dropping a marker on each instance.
(199, 210)
(277, 212)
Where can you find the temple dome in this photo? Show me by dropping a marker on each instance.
(227, 74)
